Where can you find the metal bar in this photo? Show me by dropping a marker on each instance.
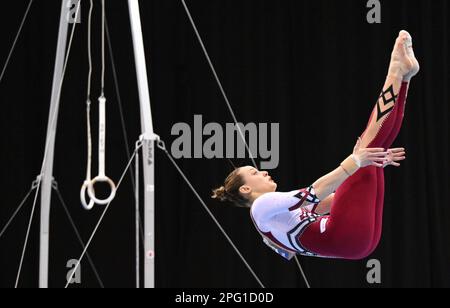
(148, 140)
(50, 141)
(137, 222)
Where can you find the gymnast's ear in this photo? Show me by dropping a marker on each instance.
(245, 190)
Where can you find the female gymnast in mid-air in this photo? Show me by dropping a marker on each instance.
(315, 221)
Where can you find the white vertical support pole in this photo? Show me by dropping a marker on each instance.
(47, 176)
(148, 140)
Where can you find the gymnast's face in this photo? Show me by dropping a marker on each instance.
(256, 182)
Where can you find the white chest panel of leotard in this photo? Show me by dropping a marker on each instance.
(277, 213)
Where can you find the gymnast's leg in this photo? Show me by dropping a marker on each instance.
(402, 68)
(388, 144)
(350, 229)
(379, 204)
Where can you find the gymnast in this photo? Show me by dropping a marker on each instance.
(340, 215)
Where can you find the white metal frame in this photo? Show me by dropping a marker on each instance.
(148, 139)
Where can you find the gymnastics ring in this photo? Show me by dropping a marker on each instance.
(91, 190)
(91, 204)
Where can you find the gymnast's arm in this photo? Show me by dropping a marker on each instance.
(361, 157)
(324, 207)
(329, 183)
(325, 185)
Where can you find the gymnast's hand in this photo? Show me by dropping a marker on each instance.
(395, 155)
(365, 157)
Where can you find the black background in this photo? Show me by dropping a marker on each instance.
(315, 67)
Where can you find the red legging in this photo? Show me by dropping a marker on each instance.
(353, 228)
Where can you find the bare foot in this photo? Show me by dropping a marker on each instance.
(403, 62)
(410, 52)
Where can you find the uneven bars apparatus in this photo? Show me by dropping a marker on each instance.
(147, 138)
